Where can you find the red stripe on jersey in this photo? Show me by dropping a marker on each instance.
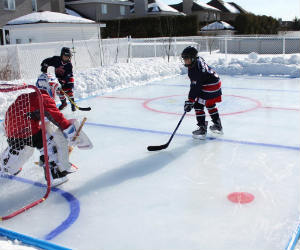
(212, 87)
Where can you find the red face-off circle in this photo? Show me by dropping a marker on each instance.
(240, 197)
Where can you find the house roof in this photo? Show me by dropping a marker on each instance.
(197, 6)
(224, 6)
(120, 2)
(158, 6)
(72, 12)
(202, 6)
(48, 17)
(219, 25)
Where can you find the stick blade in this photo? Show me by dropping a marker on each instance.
(157, 148)
(85, 109)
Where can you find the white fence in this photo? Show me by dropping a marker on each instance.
(23, 60)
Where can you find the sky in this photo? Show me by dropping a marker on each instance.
(285, 9)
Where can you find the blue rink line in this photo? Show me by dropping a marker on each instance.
(186, 135)
(30, 240)
(74, 205)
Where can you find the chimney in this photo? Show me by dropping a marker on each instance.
(187, 6)
(141, 7)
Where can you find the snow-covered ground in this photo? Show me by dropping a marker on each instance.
(142, 71)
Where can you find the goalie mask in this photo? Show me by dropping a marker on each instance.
(48, 83)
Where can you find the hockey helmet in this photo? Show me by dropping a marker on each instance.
(48, 83)
(65, 51)
(190, 53)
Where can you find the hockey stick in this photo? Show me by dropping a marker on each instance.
(76, 106)
(164, 146)
(77, 134)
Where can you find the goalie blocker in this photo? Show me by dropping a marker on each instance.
(22, 115)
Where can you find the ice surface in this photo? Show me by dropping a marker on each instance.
(129, 198)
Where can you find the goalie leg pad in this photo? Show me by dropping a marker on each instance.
(58, 149)
(12, 160)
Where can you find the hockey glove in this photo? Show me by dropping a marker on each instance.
(70, 133)
(188, 105)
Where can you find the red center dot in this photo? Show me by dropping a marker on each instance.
(240, 197)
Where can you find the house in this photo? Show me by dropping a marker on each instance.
(204, 12)
(11, 9)
(101, 10)
(49, 26)
(229, 11)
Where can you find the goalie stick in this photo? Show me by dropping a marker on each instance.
(164, 146)
(76, 106)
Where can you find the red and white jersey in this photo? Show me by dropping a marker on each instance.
(22, 119)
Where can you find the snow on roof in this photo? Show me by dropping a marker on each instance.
(72, 12)
(159, 6)
(205, 6)
(48, 17)
(220, 25)
(231, 8)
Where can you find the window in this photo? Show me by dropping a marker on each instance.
(34, 5)
(122, 10)
(9, 4)
(104, 8)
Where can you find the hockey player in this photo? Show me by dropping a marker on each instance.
(23, 131)
(205, 91)
(64, 73)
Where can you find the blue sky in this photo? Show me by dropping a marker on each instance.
(285, 9)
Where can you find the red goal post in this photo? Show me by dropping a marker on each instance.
(16, 90)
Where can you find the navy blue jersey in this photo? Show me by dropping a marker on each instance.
(205, 82)
(63, 71)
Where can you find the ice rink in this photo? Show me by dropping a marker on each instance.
(183, 197)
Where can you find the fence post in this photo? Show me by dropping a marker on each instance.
(283, 45)
(129, 56)
(226, 47)
(155, 53)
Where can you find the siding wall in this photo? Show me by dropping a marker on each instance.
(53, 32)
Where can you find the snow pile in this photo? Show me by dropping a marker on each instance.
(48, 17)
(13, 245)
(254, 64)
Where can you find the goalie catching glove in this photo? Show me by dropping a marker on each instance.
(81, 140)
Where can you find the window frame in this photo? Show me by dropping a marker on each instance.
(104, 9)
(122, 10)
(11, 4)
(34, 5)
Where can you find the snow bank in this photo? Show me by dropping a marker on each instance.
(254, 64)
(13, 245)
(141, 71)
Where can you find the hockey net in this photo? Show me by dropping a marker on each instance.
(29, 187)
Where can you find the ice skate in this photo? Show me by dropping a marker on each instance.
(200, 133)
(216, 127)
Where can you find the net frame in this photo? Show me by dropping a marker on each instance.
(16, 87)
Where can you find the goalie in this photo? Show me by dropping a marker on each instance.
(23, 131)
